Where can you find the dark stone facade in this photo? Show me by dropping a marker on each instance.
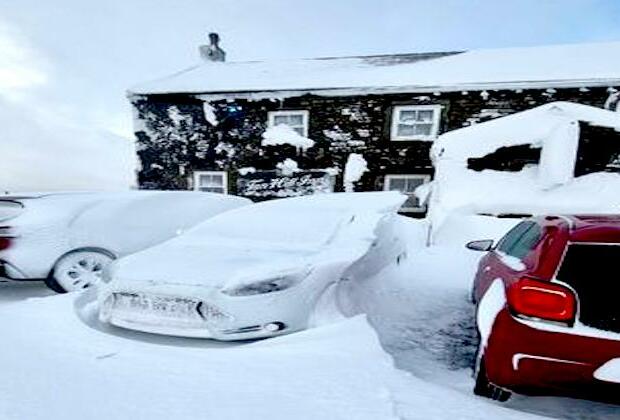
(175, 139)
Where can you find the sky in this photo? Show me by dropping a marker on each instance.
(75, 59)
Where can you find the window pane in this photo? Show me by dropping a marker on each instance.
(296, 119)
(280, 119)
(413, 183)
(211, 180)
(423, 129)
(217, 179)
(405, 130)
(397, 184)
(425, 116)
(407, 116)
(219, 190)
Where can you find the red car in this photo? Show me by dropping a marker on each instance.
(548, 309)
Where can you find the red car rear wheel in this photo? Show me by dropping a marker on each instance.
(484, 388)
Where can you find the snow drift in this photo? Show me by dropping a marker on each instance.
(550, 185)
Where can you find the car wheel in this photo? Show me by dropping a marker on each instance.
(78, 270)
(484, 388)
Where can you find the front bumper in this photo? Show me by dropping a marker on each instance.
(530, 360)
(211, 322)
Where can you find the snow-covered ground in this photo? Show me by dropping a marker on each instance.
(57, 361)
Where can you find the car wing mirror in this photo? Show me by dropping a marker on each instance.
(483, 245)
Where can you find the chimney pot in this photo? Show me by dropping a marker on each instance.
(212, 52)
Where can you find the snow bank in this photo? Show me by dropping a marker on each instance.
(354, 169)
(340, 371)
(41, 153)
(283, 134)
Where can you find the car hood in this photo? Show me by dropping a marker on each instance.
(212, 263)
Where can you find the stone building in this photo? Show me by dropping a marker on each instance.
(211, 127)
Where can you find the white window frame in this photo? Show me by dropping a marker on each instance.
(396, 110)
(386, 187)
(305, 117)
(224, 174)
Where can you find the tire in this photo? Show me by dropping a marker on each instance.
(78, 270)
(484, 388)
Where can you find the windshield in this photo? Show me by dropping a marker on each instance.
(292, 226)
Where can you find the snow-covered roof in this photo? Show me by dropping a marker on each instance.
(572, 65)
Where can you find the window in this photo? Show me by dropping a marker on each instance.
(297, 120)
(520, 240)
(407, 185)
(415, 122)
(211, 181)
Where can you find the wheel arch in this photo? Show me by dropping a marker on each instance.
(101, 250)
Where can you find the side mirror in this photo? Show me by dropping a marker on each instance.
(483, 245)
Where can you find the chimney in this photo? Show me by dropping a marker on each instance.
(212, 52)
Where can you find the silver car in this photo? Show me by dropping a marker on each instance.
(67, 239)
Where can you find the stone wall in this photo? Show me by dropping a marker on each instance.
(175, 138)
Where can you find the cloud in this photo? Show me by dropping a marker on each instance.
(21, 67)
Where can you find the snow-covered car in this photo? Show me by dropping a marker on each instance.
(257, 271)
(67, 239)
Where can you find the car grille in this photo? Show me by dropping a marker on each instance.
(164, 306)
(590, 269)
(167, 307)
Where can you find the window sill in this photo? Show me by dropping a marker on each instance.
(429, 138)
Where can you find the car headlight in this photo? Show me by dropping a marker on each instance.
(274, 284)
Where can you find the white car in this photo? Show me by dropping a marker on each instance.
(256, 271)
(67, 239)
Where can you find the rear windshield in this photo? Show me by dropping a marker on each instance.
(590, 262)
(592, 270)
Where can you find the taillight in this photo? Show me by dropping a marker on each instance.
(5, 243)
(543, 300)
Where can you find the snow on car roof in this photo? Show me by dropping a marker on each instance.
(572, 65)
